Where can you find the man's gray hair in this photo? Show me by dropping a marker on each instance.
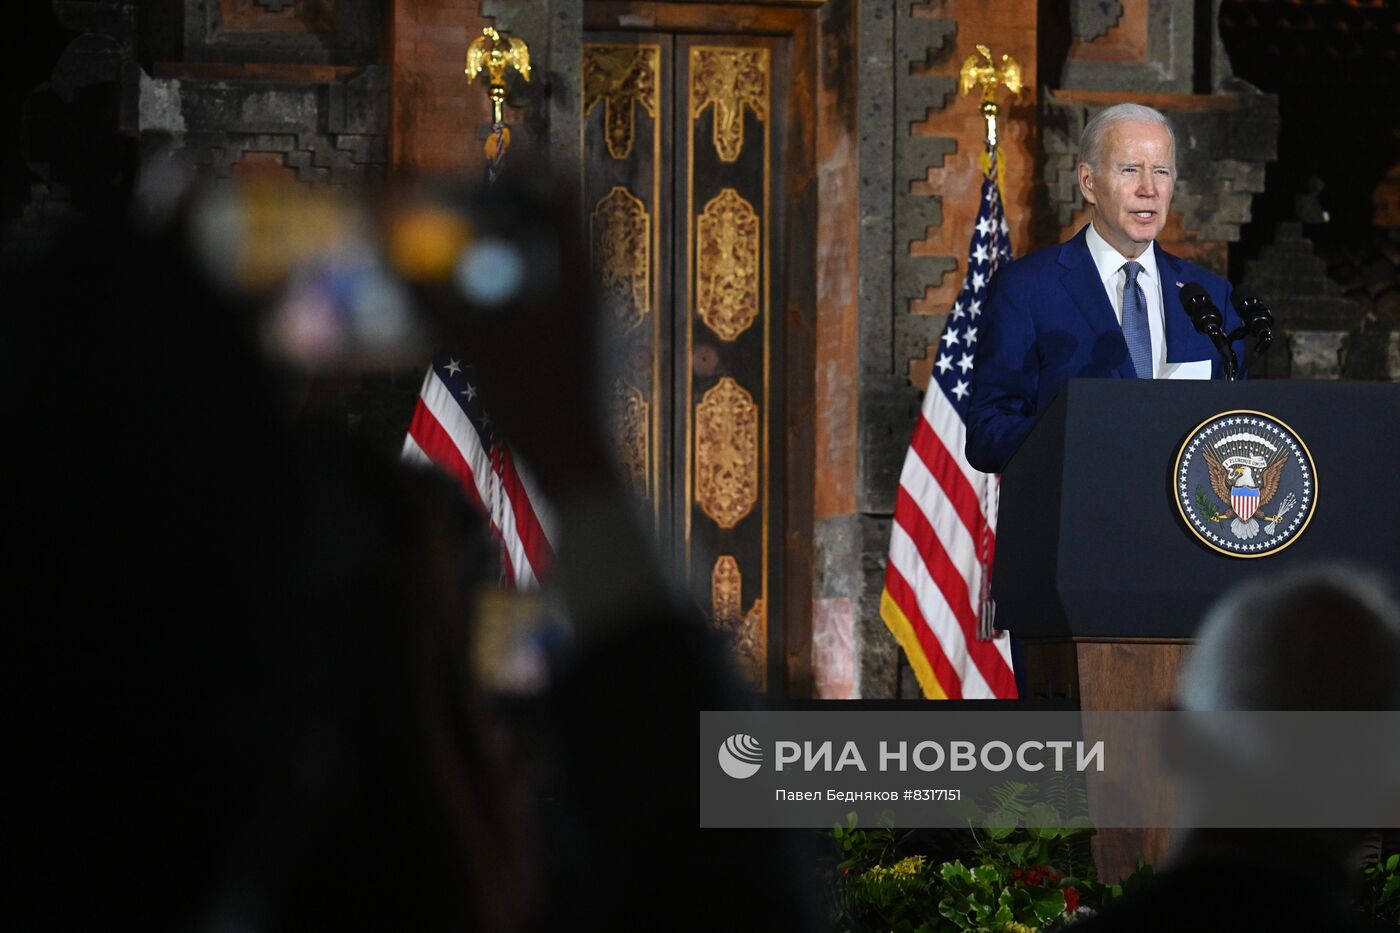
(1091, 140)
(1321, 639)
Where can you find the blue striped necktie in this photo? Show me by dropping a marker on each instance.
(1135, 330)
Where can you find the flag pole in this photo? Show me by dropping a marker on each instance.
(982, 69)
(449, 426)
(937, 598)
(506, 52)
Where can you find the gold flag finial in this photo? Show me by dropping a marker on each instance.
(983, 69)
(505, 52)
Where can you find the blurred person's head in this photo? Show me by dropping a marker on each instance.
(1270, 656)
(1324, 639)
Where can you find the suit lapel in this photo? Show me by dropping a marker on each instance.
(1183, 343)
(1081, 280)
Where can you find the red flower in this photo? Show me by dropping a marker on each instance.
(1071, 899)
(1016, 873)
(1034, 876)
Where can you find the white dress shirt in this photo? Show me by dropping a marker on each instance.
(1109, 263)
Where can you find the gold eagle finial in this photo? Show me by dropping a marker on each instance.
(983, 69)
(505, 52)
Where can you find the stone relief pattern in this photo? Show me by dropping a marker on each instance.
(727, 286)
(620, 244)
(621, 77)
(726, 453)
(1091, 19)
(919, 41)
(730, 81)
(316, 159)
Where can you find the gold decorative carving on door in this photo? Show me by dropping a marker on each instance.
(726, 453)
(726, 264)
(631, 416)
(621, 76)
(747, 631)
(730, 80)
(620, 243)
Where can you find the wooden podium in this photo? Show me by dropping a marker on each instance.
(1096, 573)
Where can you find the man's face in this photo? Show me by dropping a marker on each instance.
(1132, 188)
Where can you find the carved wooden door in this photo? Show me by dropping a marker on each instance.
(679, 180)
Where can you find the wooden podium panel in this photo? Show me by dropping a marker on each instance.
(1105, 674)
(1110, 675)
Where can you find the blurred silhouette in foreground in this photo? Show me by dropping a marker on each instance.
(237, 653)
(618, 829)
(1327, 639)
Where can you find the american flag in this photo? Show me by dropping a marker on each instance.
(936, 599)
(450, 428)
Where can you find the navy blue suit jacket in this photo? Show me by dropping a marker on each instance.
(1048, 319)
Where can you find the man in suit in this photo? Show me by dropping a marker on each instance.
(1104, 304)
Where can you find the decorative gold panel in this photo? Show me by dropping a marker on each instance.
(631, 419)
(748, 632)
(620, 242)
(620, 76)
(729, 79)
(726, 264)
(726, 453)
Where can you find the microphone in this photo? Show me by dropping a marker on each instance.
(1257, 320)
(1207, 319)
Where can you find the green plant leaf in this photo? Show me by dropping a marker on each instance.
(1047, 904)
(1204, 506)
(1042, 816)
(966, 810)
(955, 870)
(1013, 796)
(1020, 853)
(986, 875)
(1006, 912)
(1002, 823)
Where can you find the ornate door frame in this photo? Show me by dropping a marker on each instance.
(774, 419)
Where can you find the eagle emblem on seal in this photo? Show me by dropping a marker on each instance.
(1244, 483)
(1244, 472)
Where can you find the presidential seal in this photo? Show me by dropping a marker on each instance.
(1245, 484)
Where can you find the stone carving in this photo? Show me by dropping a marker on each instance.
(748, 632)
(1091, 19)
(730, 80)
(621, 76)
(620, 244)
(726, 264)
(726, 453)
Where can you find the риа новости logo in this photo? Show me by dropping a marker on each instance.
(740, 756)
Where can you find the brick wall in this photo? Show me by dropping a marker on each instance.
(437, 115)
